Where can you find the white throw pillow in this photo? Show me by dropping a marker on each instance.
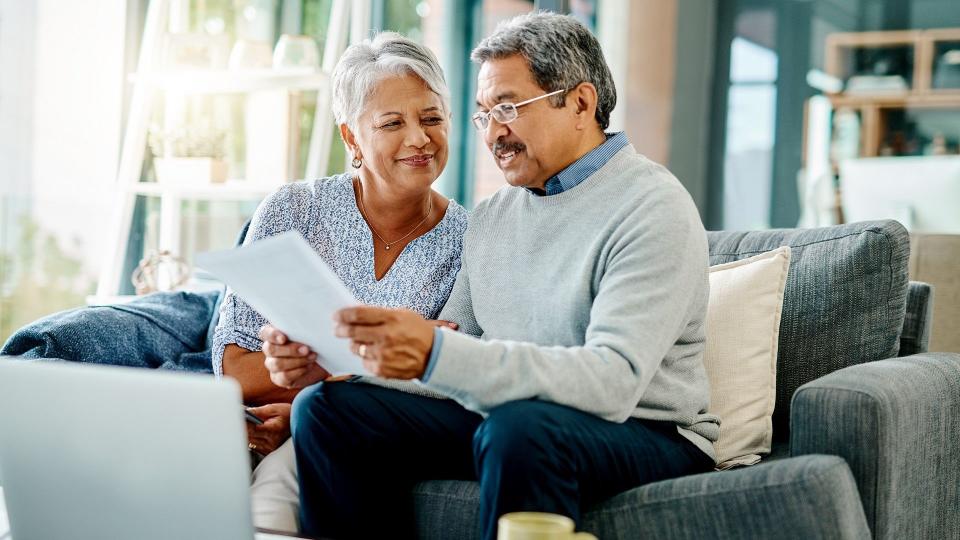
(743, 326)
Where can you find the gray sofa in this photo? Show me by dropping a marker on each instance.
(866, 427)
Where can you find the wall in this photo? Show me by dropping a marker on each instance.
(662, 55)
(648, 93)
(691, 120)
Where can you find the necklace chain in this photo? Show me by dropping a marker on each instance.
(363, 212)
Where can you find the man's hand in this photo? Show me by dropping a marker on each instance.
(291, 364)
(393, 343)
(275, 429)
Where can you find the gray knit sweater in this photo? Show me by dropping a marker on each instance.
(594, 298)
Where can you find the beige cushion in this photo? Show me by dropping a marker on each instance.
(743, 325)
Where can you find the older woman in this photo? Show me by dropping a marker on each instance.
(391, 238)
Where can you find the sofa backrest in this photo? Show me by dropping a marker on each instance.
(918, 321)
(844, 302)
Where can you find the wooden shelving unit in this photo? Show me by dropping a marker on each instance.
(874, 106)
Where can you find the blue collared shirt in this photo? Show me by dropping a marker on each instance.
(565, 180)
(581, 169)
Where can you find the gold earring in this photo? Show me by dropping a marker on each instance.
(357, 162)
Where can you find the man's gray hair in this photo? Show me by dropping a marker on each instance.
(365, 64)
(561, 53)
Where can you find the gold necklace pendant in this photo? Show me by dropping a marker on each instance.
(386, 245)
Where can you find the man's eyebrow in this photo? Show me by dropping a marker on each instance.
(381, 115)
(431, 109)
(500, 98)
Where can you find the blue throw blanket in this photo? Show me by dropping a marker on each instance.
(161, 330)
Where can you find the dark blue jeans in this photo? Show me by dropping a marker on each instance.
(360, 449)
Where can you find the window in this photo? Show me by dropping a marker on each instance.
(61, 102)
(751, 119)
(64, 101)
(778, 52)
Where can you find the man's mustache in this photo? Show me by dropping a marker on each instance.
(504, 147)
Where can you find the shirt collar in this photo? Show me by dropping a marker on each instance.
(583, 168)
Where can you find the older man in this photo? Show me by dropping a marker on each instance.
(578, 369)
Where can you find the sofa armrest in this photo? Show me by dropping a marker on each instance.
(897, 424)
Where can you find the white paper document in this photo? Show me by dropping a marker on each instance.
(289, 284)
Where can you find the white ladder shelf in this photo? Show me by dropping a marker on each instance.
(149, 79)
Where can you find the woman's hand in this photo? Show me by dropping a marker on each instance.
(445, 324)
(393, 343)
(247, 368)
(291, 364)
(274, 430)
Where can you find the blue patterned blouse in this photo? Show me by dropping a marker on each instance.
(325, 212)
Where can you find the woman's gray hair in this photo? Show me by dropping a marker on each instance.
(561, 53)
(365, 64)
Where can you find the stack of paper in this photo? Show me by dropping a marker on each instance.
(289, 284)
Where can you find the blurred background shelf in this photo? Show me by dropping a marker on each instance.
(231, 190)
(231, 81)
(894, 101)
(927, 65)
(884, 137)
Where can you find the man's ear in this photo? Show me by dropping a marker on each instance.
(350, 140)
(584, 97)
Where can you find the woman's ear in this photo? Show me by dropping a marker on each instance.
(350, 140)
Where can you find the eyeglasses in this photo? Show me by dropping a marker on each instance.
(504, 112)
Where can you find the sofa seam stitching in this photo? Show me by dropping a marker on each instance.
(814, 476)
(812, 243)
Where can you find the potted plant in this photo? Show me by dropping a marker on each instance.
(188, 155)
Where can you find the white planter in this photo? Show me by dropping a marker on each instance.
(190, 170)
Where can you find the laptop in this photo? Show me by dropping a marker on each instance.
(98, 452)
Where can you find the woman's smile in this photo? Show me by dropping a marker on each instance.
(418, 161)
